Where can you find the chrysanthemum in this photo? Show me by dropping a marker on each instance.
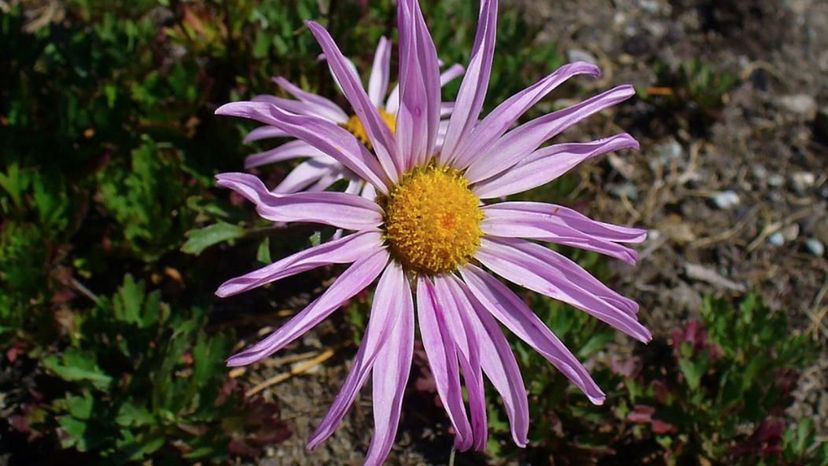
(320, 171)
(434, 242)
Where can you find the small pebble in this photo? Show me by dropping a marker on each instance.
(624, 190)
(790, 232)
(802, 181)
(815, 247)
(776, 180)
(726, 199)
(668, 151)
(759, 172)
(800, 104)
(776, 239)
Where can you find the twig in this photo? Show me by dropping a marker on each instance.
(85, 291)
(816, 314)
(296, 370)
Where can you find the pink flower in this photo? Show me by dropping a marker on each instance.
(319, 170)
(433, 240)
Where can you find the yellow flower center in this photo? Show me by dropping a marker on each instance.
(354, 126)
(432, 220)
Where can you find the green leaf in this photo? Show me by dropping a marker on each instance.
(263, 253)
(202, 238)
(78, 367)
(130, 414)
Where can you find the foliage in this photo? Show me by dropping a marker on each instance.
(143, 381)
(689, 96)
(716, 393)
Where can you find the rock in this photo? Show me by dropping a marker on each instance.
(802, 105)
(623, 190)
(759, 172)
(726, 199)
(815, 247)
(668, 151)
(776, 180)
(790, 232)
(802, 181)
(776, 239)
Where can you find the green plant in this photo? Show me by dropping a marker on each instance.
(145, 381)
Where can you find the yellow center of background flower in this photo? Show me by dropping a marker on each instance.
(354, 126)
(432, 220)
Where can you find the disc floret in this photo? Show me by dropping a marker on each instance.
(432, 220)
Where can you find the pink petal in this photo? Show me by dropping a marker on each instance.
(456, 310)
(475, 82)
(525, 139)
(340, 210)
(308, 173)
(287, 151)
(391, 299)
(342, 251)
(451, 73)
(442, 358)
(300, 107)
(419, 113)
(329, 138)
(538, 221)
(545, 271)
(334, 112)
(499, 364)
(506, 114)
(513, 313)
(264, 132)
(547, 164)
(568, 218)
(378, 132)
(352, 281)
(380, 71)
(390, 375)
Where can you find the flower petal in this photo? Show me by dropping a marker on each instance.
(264, 132)
(499, 365)
(568, 218)
(456, 310)
(547, 164)
(308, 173)
(442, 358)
(506, 114)
(513, 313)
(390, 375)
(329, 138)
(287, 151)
(352, 281)
(391, 299)
(419, 114)
(538, 221)
(380, 71)
(340, 210)
(377, 130)
(299, 107)
(545, 271)
(334, 112)
(343, 251)
(525, 139)
(475, 82)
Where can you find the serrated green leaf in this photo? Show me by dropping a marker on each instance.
(77, 367)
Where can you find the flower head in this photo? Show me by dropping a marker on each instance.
(435, 239)
(319, 171)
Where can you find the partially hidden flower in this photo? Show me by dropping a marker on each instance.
(436, 235)
(319, 171)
